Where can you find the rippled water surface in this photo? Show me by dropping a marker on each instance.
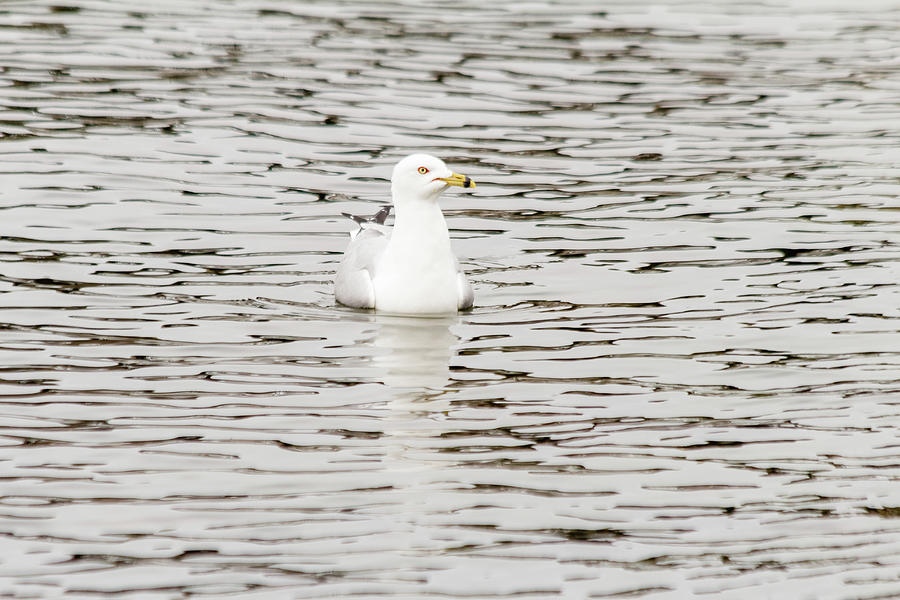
(681, 377)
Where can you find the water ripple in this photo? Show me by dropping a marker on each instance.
(679, 377)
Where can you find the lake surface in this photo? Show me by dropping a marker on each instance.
(681, 377)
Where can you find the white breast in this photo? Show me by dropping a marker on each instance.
(417, 272)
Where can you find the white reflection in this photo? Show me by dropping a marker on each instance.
(414, 352)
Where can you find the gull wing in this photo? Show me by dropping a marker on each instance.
(353, 283)
(466, 293)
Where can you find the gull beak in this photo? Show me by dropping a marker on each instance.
(457, 179)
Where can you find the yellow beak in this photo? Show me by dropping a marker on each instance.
(457, 179)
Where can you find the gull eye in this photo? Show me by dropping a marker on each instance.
(423, 170)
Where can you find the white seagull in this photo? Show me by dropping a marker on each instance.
(409, 269)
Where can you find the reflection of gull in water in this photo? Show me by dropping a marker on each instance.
(411, 268)
(412, 356)
(414, 353)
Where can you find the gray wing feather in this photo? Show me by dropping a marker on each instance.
(466, 293)
(353, 283)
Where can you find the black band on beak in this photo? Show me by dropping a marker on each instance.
(467, 182)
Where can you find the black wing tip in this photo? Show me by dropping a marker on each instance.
(380, 217)
(354, 218)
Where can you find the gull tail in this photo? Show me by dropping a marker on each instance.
(378, 219)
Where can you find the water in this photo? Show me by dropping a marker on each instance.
(680, 379)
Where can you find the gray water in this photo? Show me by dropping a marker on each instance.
(681, 377)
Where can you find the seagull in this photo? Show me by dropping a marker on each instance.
(409, 269)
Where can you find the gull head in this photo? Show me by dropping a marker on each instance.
(424, 177)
